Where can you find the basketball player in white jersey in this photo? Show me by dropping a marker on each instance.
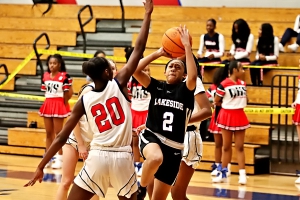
(107, 109)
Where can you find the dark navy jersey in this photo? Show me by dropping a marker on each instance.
(211, 43)
(170, 109)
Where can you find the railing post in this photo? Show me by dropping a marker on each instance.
(6, 73)
(123, 16)
(39, 62)
(85, 23)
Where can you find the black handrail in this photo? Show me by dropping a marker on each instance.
(6, 73)
(123, 16)
(85, 23)
(39, 62)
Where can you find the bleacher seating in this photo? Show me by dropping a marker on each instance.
(20, 25)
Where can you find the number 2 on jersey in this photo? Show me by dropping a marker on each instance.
(168, 120)
(111, 107)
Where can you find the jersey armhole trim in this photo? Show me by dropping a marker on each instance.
(84, 109)
(120, 88)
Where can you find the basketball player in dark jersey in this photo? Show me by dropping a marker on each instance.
(170, 108)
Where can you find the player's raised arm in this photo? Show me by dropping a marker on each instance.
(126, 72)
(143, 78)
(190, 62)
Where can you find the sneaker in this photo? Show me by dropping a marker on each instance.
(139, 173)
(214, 169)
(298, 179)
(49, 164)
(221, 177)
(293, 47)
(243, 179)
(57, 164)
(281, 48)
(141, 193)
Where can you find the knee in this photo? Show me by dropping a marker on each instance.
(218, 145)
(177, 194)
(239, 148)
(49, 134)
(155, 159)
(289, 30)
(227, 148)
(66, 183)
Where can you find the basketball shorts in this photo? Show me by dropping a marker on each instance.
(73, 142)
(103, 168)
(193, 147)
(168, 170)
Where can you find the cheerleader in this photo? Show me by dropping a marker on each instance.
(267, 52)
(214, 44)
(231, 95)
(56, 84)
(288, 34)
(140, 99)
(218, 77)
(242, 42)
(296, 119)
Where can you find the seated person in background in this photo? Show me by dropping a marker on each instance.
(288, 34)
(242, 40)
(266, 54)
(214, 44)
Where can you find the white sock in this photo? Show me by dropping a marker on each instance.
(59, 157)
(242, 172)
(217, 164)
(228, 166)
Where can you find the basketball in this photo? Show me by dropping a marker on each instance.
(171, 43)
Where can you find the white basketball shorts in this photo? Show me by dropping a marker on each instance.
(73, 142)
(193, 147)
(108, 167)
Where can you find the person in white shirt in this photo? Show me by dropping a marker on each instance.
(242, 43)
(288, 34)
(213, 42)
(266, 54)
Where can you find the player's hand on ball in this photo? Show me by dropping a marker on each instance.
(162, 52)
(38, 176)
(148, 4)
(184, 35)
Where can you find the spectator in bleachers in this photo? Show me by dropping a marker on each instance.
(213, 42)
(98, 53)
(267, 52)
(242, 40)
(288, 34)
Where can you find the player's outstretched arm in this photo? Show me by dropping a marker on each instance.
(59, 141)
(126, 72)
(143, 78)
(190, 62)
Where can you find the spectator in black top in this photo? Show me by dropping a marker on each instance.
(267, 52)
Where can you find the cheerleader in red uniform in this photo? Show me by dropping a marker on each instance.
(218, 77)
(231, 95)
(296, 120)
(57, 87)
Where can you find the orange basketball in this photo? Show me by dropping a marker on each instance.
(171, 43)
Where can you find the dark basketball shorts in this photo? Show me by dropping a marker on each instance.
(168, 170)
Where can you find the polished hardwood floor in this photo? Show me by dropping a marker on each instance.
(16, 170)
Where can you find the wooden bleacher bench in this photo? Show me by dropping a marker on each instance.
(10, 85)
(20, 51)
(224, 27)
(27, 137)
(29, 69)
(70, 11)
(27, 37)
(45, 24)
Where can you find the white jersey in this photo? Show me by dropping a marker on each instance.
(85, 132)
(234, 94)
(199, 88)
(109, 116)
